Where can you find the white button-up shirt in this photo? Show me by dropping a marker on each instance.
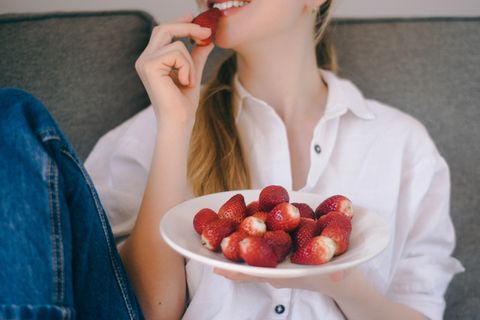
(379, 157)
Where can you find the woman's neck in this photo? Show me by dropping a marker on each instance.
(286, 78)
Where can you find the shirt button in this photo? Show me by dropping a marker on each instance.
(280, 308)
(318, 149)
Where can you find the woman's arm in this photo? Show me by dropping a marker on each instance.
(157, 273)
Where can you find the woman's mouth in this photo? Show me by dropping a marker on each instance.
(227, 7)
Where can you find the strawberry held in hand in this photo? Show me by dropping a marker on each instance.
(208, 19)
(335, 203)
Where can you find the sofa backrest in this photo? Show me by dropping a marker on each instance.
(82, 66)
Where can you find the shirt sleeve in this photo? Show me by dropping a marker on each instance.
(426, 266)
(119, 166)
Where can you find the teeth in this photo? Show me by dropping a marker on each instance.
(229, 4)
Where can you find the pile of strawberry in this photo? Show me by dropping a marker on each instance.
(264, 232)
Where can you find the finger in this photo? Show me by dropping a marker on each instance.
(238, 276)
(337, 276)
(164, 34)
(180, 46)
(199, 56)
(172, 63)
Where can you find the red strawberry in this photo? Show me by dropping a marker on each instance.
(202, 218)
(336, 217)
(335, 203)
(271, 196)
(318, 250)
(281, 243)
(252, 207)
(262, 215)
(230, 245)
(306, 230)
(234, 209)
(253, 226)
(214, 233)
(283, 217)
(208, 19)
(305, 210)
(257, 252)
(338, 228)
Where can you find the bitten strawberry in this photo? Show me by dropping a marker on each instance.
(283, 217)
(208, 19)
(257, 252)
(262, 215)
(202, 218)
(318, 250)
(253, 226)
(338, 228)
(231, 245)
(335, 203)
(214, 233)
(252, 207)
(280, 241)
(306, 230)
(305, 210)
(271, 196)
(234, 209)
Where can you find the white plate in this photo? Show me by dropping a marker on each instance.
(369, 237)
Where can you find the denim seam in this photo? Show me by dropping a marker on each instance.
(56, 236)
(99, 207)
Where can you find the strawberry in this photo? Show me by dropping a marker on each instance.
(257, 252)
(305, 210)
(280, 241)
(334, 217)
(318, 250)
(202, 218)
(271, 196)
(234, 209)
(262, 215)
(335, 203)
(337, 227)
(208, 19)
(230, 245)
(306, 230)
(252, 207)
(253, 226)
(283, 217)
(214, 233)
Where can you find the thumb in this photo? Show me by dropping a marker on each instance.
(199, 57)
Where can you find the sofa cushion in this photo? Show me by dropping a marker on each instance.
(81, 65)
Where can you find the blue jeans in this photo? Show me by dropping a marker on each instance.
(58, 259)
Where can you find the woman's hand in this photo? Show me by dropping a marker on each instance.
(170, 74)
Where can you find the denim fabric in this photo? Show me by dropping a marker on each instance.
(58, 259)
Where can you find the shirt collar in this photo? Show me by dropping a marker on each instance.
(343, 96)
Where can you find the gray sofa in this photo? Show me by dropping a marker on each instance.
(82, 66)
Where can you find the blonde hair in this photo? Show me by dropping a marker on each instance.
(216, 162)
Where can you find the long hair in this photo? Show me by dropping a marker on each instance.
(216, 161)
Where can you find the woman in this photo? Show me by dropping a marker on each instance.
(269, 117)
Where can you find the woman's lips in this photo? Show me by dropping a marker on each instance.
(226, 12)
